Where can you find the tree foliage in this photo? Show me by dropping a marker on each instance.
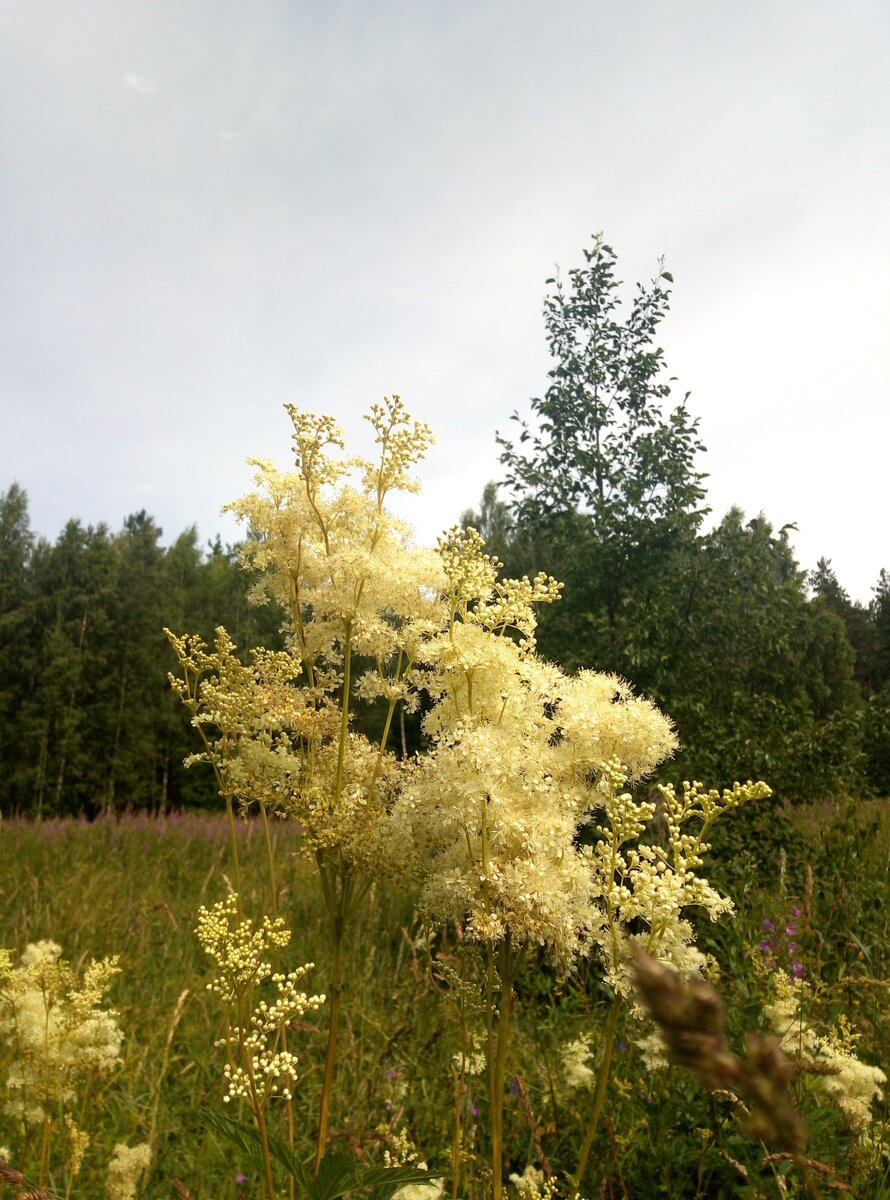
(88, 722)
(715, 623)
(602, 443)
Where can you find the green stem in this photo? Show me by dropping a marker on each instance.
(459, 1091)
(490, 1052)
(599, 1098)
(273, 884)
(270, 859)
(337, 901)
(236, 866)
(43, 1169)
(500, 1070)
(165, 1063)
(257, 1103)
(344, 716)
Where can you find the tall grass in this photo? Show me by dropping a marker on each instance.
(132, 887)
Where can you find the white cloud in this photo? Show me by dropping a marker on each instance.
(139, 83)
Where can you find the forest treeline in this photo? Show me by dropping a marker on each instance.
(87, 719)
(768, 671)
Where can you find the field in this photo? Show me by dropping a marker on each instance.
(132, 887)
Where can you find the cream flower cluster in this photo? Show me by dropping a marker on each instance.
(58, 1033)
(576, 1069)
(532, 1184)
(259, 1063)
(358, 602)
(125, 1170)
(521, 756)
(473, 1060)
(848, 1082)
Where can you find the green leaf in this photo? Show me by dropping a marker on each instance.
(239, 1133)
(286, 1157)
(336, 1176)
(387, 1180)
(341, 1173)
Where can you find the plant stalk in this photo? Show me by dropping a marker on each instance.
(599, 1098)
(337, 900)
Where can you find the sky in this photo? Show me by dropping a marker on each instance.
(208, 210)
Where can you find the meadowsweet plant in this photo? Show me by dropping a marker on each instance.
(824, 1054)
(59, 1038)
(521, 759)
(128, 1164)
(358, 601)
(259, 1066)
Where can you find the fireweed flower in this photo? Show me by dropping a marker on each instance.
(780, 945)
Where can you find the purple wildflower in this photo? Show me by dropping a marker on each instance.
(781, 944)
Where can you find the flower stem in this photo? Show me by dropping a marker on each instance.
(233, 837)
(599, 1098)
(497, 1058)
(337, 899)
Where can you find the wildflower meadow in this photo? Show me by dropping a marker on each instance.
(453, 929)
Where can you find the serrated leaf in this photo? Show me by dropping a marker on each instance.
(240, 1134)
(248, 1141)
(286, 1157)
(335, 1176)
(341, 1173)
(385, 1181)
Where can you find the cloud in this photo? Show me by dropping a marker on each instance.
(139, 83)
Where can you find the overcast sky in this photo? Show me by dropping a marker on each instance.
(209, 209)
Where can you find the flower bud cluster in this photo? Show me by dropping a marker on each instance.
(650, 886)
(236, 947)
(260, 1065)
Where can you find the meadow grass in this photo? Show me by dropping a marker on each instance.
(132, 886)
